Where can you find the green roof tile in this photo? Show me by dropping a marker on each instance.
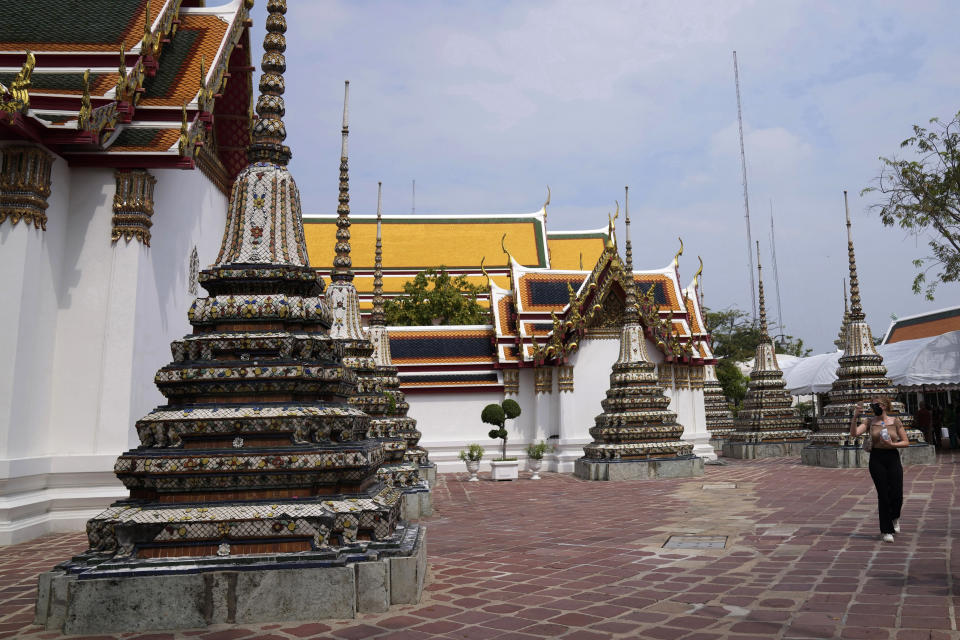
(172, 59)
(69, 21)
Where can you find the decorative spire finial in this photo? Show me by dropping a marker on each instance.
(631, 314)
(377, 318)
(342, 271)
(269, 132)
(846, 305)
(764, 335)
(856, 311)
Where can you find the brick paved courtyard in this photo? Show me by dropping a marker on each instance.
(583, 561)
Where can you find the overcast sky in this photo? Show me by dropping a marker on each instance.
(485, 103)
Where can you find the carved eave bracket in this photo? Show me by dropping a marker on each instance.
(133, 206)
(25, 185)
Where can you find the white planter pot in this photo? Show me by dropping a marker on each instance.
(534, 467)
(504, 469)
(472, 467)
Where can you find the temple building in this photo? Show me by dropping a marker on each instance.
(766, 425)
(556, 311)
(122, 127)
(860, 377)
(255, 493)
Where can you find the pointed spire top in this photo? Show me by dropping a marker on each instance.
(342, 264)
(269, 132)
(377, 318)
(764, 334)
(856, 311)
(346, 118)
(631, 314)
(846, 304)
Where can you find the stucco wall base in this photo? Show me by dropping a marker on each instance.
(55, 494)
(638, 469)
(187, 600)
(753, 450)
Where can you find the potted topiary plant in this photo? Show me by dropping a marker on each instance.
(497, 414)
(471, 455)
(535, 458)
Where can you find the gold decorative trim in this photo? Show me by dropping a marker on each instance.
(16, 99)
(543, 380)
(25, 185)
(133, 206)
(511, 382)
(565, 379)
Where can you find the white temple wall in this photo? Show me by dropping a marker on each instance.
(592, 364)
(450, 421)
(93, 323)
(189, 212)
(30, 260)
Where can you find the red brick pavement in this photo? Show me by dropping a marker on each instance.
(584, 561)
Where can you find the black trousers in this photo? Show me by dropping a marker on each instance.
(887, 474)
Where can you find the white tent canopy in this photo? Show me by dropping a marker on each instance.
(910, 363)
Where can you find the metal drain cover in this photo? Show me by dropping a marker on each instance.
(719, 485)
(696, 542)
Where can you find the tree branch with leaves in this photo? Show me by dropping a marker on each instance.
(922, 196)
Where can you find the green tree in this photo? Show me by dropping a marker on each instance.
(735, 339)
(434, 297)
(497, 415)
(922, 195)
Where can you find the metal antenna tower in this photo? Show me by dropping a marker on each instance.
(776, 272)
(746, 199)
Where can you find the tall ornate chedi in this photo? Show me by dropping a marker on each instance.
(358, 355)
(766, 425)
(254, 493)
(395, 419)
(716, 408)
(861, 376)
(635, 436)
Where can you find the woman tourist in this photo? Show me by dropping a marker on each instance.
(885, 434)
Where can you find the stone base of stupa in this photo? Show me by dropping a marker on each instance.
(184, 593)
(763, 449)
(835, 457)
(717, 444)
(429, 473)
(853, 457)
(417, 502)
(918, 453)
(615, 470)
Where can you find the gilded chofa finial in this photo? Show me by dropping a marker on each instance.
(696, 276)
(377, 318)
(546, 202)
(486, 275)
(764, 335)
(342, 264)
(503, 245)
(856, 311)
(269, 132)
(676, 257)
(612, 228)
